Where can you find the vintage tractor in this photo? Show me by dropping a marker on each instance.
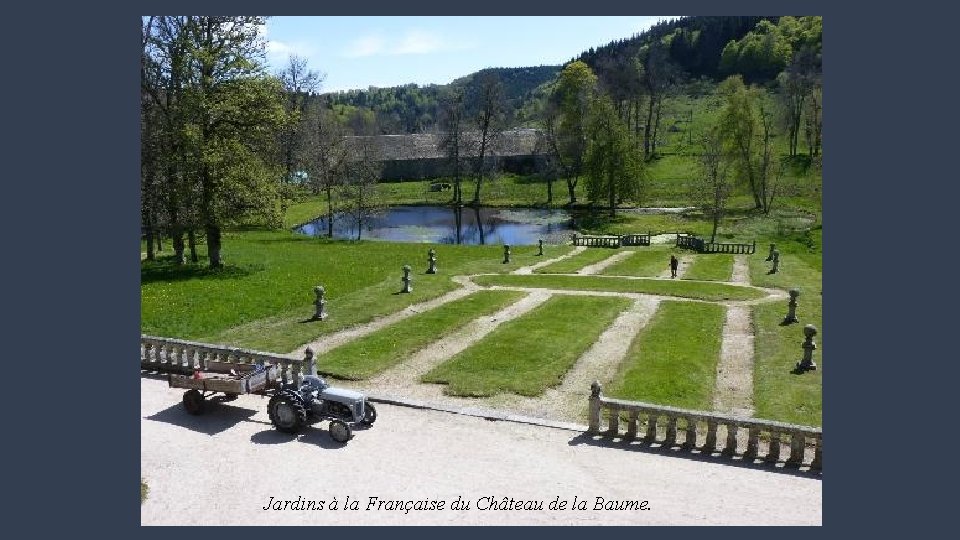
(292, 408)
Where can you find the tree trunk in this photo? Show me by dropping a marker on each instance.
(150, 254)
(176, 238)
(549, 190)
(571, 187)
(159, 240)
(213, 245)
(192, 243)
(646, 129)
(656, 129)
(716, 222)
(329, 190)
(612, 195)
(476, 214)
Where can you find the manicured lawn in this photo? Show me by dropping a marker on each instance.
(711, 267)
(647, 261)
(532, 353)
(380, 350)
(264, 296)
(779, 394)
(686, 289)
(673, 361)
(570, 265)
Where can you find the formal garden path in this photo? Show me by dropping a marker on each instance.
(733, 392)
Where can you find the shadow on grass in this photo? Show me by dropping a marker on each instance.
(167, 270)
(695, 454)
(216, 418)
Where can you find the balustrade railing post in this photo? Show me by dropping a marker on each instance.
(797, 440)
(753, 443)
(595, 390)
(651, 427)
(731, 447)
(671, 435)
(711, 443)
(614, 429)
(691, 435)
(817, 465)
(773, 455)
(632, 425)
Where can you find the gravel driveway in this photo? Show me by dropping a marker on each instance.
(223, 468)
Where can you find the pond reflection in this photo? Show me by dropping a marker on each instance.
(450, 225)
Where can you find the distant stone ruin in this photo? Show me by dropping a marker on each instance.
(415, 157)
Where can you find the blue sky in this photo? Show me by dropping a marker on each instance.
(357, 52)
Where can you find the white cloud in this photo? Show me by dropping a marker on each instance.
(418, 42)
(365, 46)
(412, 42)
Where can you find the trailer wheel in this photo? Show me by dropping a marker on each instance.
(193, 402)
(369, 414)
(286, 412)
(340, 431)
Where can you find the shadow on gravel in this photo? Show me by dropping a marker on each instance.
(217, 417)
(315, 435)
(694, 454)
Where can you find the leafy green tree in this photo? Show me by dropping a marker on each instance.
(234, 112)
(573, 93)
(614, 171)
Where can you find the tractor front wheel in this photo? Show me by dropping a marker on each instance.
(369, 414)
(340, 431)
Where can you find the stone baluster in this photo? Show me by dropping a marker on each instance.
(792, 307)
(147, 351)
(711, 443)
(320, 304)
(691, 433)
(432, 261)
(406, 279)
(632, 425)
(651, 427)
(817, 465)
(203, 358)
(753, 443)
(731, 447)
(614, 421)
(594, 421)
(671, 435)
(797, 440)
(188, 353)
(773, 455)
(807, 363)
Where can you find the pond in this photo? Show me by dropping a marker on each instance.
(448, 225)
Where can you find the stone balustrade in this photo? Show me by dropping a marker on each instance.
(748, 437)
(635, 239)
(179, 356)
(697, 244)
(596, 241)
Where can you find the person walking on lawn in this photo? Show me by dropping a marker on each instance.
(674, 263)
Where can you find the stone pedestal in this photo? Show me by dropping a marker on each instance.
(540, 253)
(406, 279)
(432, 260)
(320, 303)
(792, 307)
(506, 253)
(809, 346)
(308, 365)
(776, 261)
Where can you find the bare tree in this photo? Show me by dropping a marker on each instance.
(713, 186)
(363, 169)
(325, 153)
(489, 122)
(454, 140)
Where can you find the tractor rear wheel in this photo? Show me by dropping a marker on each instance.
(340, 431)
(193, 402)
(286, 412)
